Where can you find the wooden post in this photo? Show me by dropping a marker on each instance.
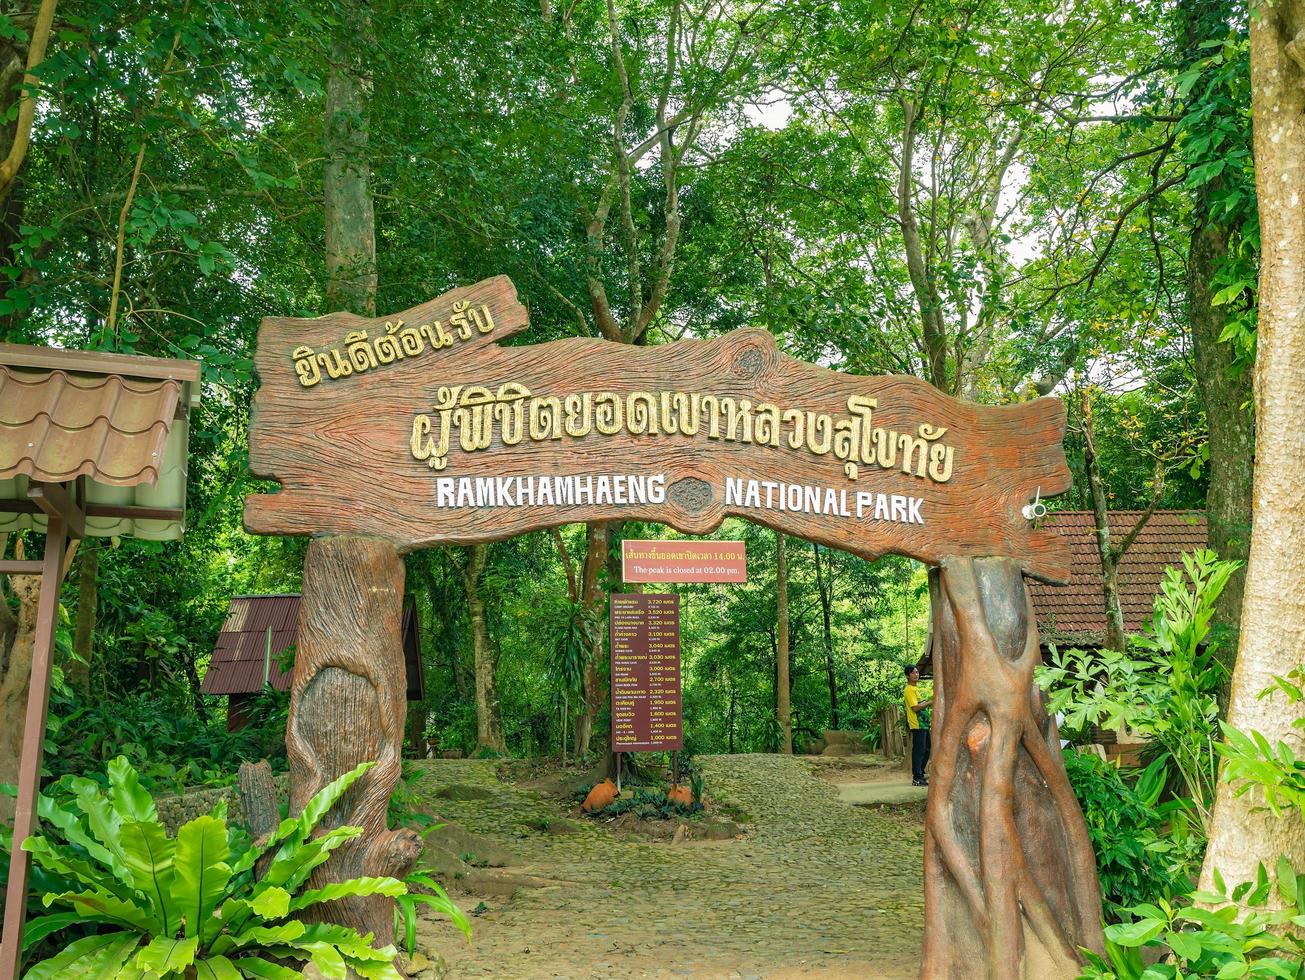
(29, 768)
(1010, 877)
(347, 706)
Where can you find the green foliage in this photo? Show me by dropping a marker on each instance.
(168, 746)
(1146, 851)
(190, 905)
(1254, 931)
(1164, 687)
(648, 804)
(1250, 761)
(422, 889)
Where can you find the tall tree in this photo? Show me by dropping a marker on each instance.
(783, 694)
(489, 717)
(1219, 204)
(346, 176)
(825, 589)
(1111, 552)
(1273, 614)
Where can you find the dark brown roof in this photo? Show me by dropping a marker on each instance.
(65, 414)
(1075, 613)
(257, 624)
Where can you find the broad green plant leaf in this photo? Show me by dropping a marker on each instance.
(105, 906)
(271, 903)
(167, 954)
(88, 959)
(216, 968)
(126, 794)
(200, 871)
(344, 889)
(148, 853)
(261, 969)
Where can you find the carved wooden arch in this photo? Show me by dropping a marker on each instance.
(421, 428)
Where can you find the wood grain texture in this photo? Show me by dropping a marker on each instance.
(348, 706)
(1010, 880)
(341, 448)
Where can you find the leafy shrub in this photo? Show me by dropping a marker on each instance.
(158, 732)
(1164, 687)
(424, 890)
(1145, 852)
(1244, 934)
(649, 804)
(189, 906)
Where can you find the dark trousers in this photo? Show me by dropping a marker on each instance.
(919, 752)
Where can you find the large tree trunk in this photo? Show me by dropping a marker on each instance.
(1115, 638)
(595, 689)
(1010, 879)
(79, 672)
(348, 698)
(347, 706)
(825, 587)
(489, 719)
(347, 199)
(1226, 393)
(783, 697)
(15, 679)
(1273, 615)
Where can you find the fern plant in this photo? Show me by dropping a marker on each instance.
(191, 906)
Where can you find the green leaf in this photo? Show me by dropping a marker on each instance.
(1132, 934)
(37, 929)
(263, 970)
(344, 889)
(287, 932)
(167, 955)
(103, 905)
(1231, 971)
(201, 874)
(1286, 880)
(148, 854)
(327, 797)
(327, 959)
(1184, 944)
(126, 794)
(216, 968)
(271, 903)
(93, 957)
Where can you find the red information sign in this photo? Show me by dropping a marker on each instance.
(684, 561)
(645, 645)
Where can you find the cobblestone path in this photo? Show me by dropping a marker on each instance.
(814, 888)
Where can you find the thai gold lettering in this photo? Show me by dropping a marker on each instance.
(477, 417)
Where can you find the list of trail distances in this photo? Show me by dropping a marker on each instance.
(645, 645)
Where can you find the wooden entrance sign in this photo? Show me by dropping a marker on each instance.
(422, 428)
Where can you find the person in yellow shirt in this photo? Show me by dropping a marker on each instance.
(917, 720)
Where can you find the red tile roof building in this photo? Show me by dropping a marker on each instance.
(1074, 614)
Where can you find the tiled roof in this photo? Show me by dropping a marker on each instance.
(1075, 613)
(259, 628)
(56, 426)
(119, 421)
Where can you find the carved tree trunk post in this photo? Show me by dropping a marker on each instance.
(347, 706)
(1010, 877)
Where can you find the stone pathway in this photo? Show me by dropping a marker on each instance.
(815, 887)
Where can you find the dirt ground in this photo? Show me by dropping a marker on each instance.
(809, 885)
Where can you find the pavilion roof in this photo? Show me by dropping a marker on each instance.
(116, 423)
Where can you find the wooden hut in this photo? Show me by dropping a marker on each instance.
(249, 652)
